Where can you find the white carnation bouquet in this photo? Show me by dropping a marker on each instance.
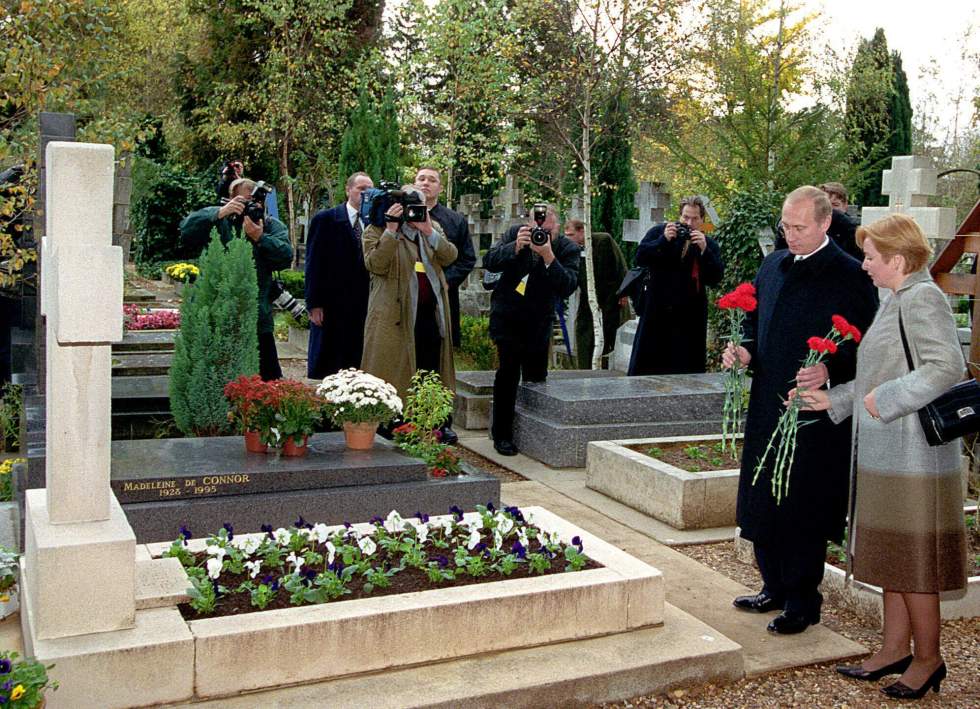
(356, 397)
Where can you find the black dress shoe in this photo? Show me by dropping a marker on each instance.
(902, 691)
(505, 447)
(858, 672)
(759, 603)
(448, 436)
(787, 623)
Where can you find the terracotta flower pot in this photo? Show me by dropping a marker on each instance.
(360, 436)
(254, 444)
(290, 449)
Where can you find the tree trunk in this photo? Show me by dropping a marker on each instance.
(599, 343)
(290, 198)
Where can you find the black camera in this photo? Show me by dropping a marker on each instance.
(539, 235)
(254, 207)
(376, 202)
(683, 232)
(284, 300)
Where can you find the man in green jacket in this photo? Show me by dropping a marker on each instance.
(610, 265)
(271, 250)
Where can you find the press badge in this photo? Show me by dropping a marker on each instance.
(419, 267)
(522, 286)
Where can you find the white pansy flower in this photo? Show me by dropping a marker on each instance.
(394, 522)
(498, 539)
(214, 567)
(216, 551)
(522, 537)
(320, 532)
(331, 552)
(421, 531)
(253, 568)
(504, 523)
(296, 561)
(281, 535)
(367, 545)
(474, 539)
(475, 523)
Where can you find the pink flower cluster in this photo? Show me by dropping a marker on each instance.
(154, 320)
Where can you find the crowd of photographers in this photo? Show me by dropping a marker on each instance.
(383, 271)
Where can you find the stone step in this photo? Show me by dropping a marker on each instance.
(681, 652)
(138, 295)
(141, 364)
(146, 341)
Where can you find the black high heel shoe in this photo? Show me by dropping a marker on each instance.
(858, 672)
(901, 691)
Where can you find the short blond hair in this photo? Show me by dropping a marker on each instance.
(898, 235)
(819, 199)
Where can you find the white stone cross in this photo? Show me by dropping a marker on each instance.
(909, 184)
(652, 202)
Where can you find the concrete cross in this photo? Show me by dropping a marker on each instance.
(652, 202)
(909, 184)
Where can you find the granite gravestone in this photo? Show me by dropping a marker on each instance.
(555, 420)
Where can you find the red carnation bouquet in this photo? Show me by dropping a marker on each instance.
(782, 443)
(740, 301)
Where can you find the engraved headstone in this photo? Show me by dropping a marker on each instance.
(652, 201)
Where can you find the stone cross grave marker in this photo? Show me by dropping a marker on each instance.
(652, 201)
(909, 184)
(75, 528)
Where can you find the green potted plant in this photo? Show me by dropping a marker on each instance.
(297, 410)
(359, 402)
(427, 407)
(23, 682)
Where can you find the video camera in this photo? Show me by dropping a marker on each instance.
(539, 235)
(375, 203)
(254, 207)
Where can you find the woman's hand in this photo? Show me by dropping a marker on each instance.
(813, 399)
(870, 406)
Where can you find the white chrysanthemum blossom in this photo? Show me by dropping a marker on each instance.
(357, 388)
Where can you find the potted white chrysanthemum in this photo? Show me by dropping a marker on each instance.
(360, 402)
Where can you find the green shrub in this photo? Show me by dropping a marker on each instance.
(218, 339)
(294, 282)
(476, 348)
(162, 196)
(11, 404)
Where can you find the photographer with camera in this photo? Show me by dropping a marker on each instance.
(538, 268)
(243, 215)
(683, 263)
(405, 253)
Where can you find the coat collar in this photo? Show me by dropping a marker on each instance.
(920, 276)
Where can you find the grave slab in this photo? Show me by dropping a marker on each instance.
(141, 364)
(554, 421)
(203, 483)
(146, 341)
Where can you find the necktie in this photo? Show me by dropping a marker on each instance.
(357, 229)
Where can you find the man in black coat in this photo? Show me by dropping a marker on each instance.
(522, 313)
(843, 228)
(799, 289)
(670, 337)
(454, 226)
(337, 284)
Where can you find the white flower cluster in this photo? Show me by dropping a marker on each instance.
(357, 388)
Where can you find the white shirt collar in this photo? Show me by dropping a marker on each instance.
(826, 240)
(351, 213)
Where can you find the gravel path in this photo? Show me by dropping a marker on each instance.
(819, 685)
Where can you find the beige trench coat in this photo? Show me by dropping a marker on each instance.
(389, 331)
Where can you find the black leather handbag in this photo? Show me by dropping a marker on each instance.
(952, 414)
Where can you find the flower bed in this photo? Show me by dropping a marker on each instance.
(376, 633)
(694, 457)
(137, 318)
(314, 563)
(682, 499)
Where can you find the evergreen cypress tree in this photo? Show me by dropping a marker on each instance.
(867, 121)
(218, 338)
(613, 180)
(360, 148)
(900, 141)
(390, 143)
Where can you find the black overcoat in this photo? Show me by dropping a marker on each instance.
(336, 281)
(457, 230)
(796, 302)
(670, 337)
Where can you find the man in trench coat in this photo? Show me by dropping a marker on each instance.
(799, 289)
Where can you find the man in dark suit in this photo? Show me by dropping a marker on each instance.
(799, 289)
(671, 334)
(337, 284)
(457, 231)
(843, 228)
